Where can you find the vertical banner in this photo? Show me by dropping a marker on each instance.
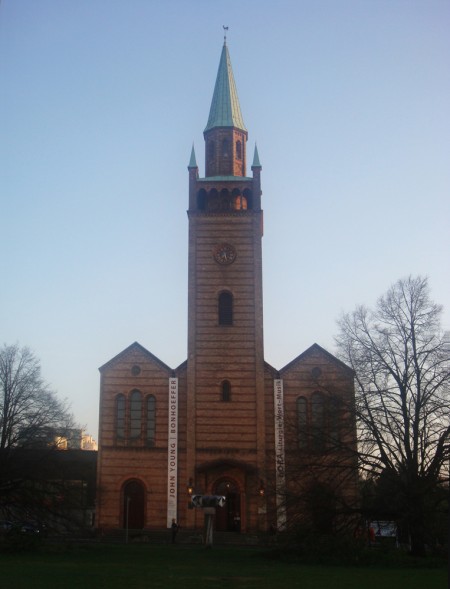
(172, 452)
(280, 472)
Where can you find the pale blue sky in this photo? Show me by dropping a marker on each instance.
(101, 100)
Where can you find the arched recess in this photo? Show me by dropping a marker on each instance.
(228, 517)
(213, 200)
(224, 200)
(249, 198)
(201, 200)
(133, 505)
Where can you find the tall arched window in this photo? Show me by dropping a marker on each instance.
(120, 417)
(151, 420)
(135, 414)
(333, 411)
(226, 391)
(317, 421)
(302, 423)
(225, 308)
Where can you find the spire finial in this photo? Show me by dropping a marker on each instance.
(225, 29)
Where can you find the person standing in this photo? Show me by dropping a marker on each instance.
(174, 528)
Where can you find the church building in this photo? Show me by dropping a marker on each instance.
(224, 422)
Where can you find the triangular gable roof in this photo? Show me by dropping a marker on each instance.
(322, 351)
(270, 368)
(136, 346)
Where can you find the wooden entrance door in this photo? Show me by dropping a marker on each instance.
(228, 518)
(133, 505)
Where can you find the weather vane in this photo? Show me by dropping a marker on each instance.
(225, 29)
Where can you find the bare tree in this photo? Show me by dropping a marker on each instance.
(32, 420)
(401, 364)
(29, 410)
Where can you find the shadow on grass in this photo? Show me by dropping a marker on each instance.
(194, 567)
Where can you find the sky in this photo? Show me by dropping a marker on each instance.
(100, 103)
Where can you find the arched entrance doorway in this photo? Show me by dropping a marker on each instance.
(133, 505)
(228, 518)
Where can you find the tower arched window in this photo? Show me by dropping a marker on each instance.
(238, 150)
(211, 150)
(151, 420)
(226, 391)
(225, 308)
(120, 417)
(225, 148)
(135, 414)
(302, 423)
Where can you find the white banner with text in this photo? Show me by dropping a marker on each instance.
(280, 467)
(172, 452)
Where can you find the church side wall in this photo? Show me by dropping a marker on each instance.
(122, 460)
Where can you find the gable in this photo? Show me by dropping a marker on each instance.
(135, 352)
(316, 352)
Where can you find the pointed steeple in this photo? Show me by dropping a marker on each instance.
(225, 109)
(256, 163)
(193, 160)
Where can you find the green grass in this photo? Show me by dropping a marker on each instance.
(193, 567)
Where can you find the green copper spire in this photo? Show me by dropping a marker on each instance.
(256, 163)
(193, 161)
(225, 110)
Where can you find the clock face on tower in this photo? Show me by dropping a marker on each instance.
(224, 254)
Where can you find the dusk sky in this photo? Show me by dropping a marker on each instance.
(101, 100)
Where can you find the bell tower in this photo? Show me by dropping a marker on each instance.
(225, 366)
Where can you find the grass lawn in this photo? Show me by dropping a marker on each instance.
(193, 567)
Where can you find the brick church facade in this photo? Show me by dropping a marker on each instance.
(224, 422)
